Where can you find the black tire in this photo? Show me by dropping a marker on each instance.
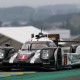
(59, 60)
(58, 67)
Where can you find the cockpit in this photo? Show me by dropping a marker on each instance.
(37, 45)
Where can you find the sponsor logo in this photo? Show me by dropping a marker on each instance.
(74, 58)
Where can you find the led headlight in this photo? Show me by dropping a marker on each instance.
(1, 55)
(45, 54)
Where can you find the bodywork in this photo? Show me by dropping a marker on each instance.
(43, 52)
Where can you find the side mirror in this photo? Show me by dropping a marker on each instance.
(32, 35)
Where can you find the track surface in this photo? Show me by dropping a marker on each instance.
(68, 74)
(77, 77)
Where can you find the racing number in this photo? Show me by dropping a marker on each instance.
(23, 57)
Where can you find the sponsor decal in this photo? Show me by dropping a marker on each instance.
(74, 58)
(23, 57)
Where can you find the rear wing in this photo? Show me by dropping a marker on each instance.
(56, 39)
(68, 43)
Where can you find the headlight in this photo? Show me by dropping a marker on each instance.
(1, 55)
(46, 54)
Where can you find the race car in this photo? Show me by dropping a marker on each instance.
(5, 53)
(29, 54)
(42, 52)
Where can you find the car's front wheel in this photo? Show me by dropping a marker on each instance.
(59, 60)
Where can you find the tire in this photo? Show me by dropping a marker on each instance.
(59, 60)
(58, 67)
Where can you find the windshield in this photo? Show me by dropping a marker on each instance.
(37, 45)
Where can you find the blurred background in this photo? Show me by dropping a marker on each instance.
(53, 16)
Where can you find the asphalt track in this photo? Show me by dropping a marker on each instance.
(67, 74)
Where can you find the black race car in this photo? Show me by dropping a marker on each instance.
(5, 53)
